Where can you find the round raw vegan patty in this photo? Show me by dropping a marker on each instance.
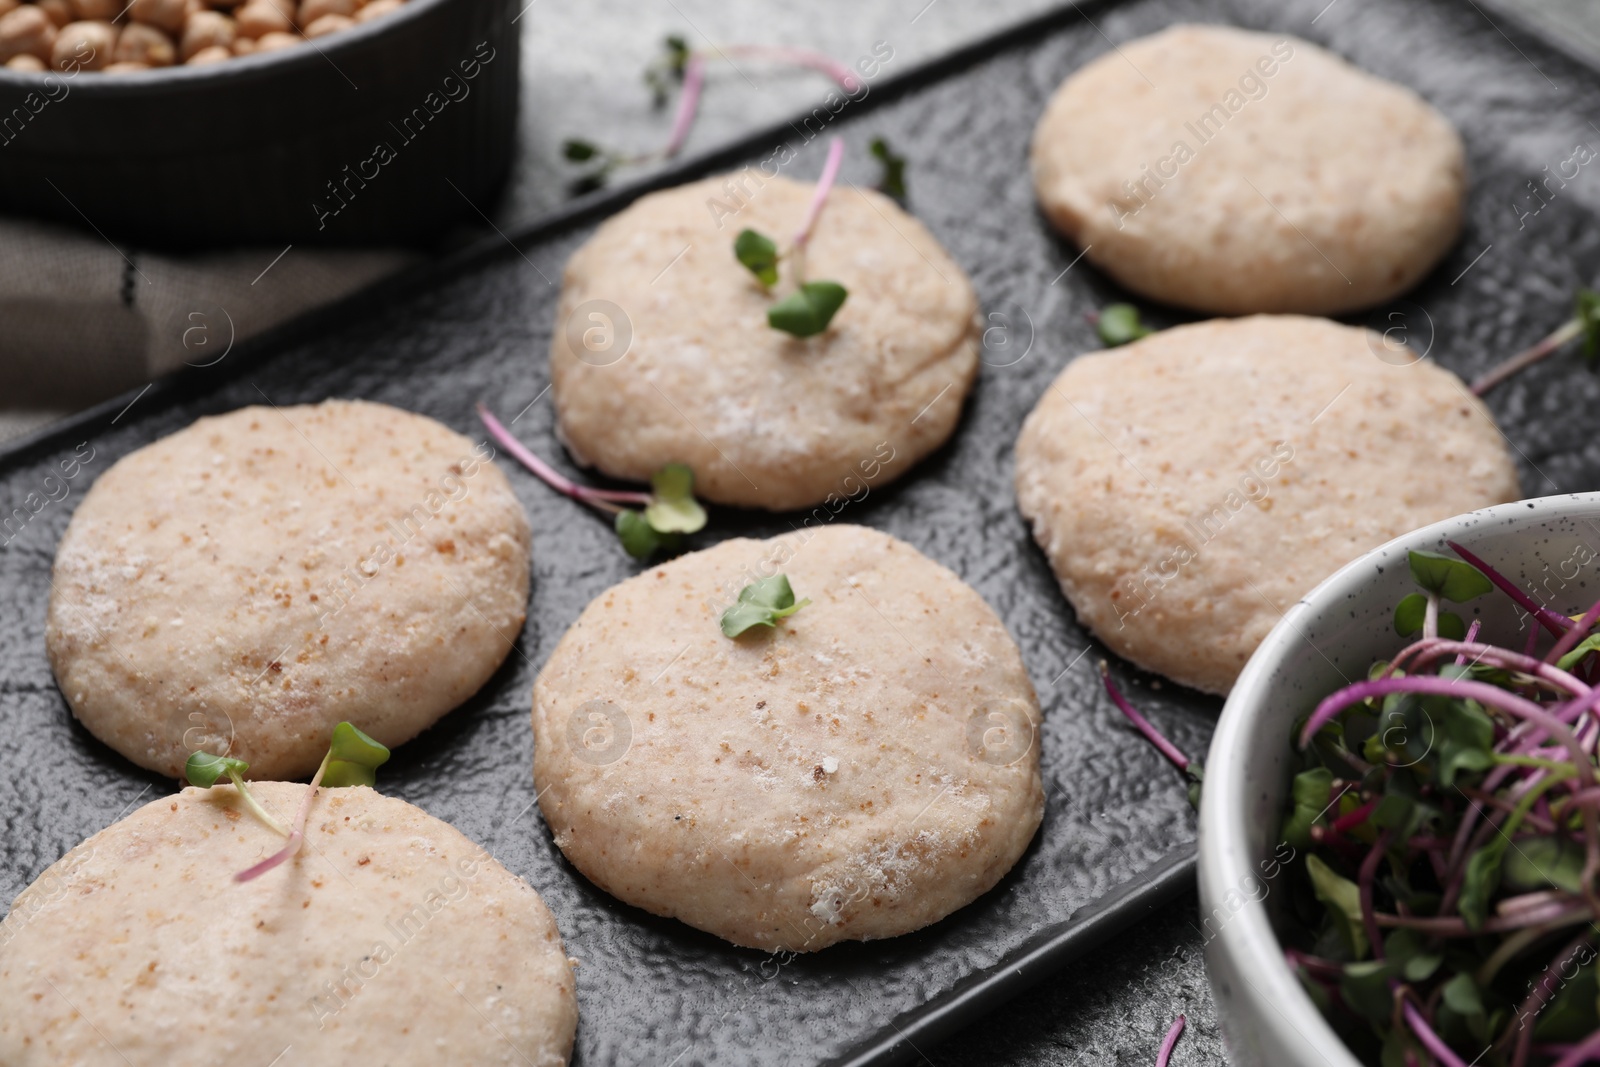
(388, 938)
(246, 583)
(662, 352)
(1190, 487)
(1237, 172)
(862, 771)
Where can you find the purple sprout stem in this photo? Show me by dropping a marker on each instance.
(1455, 926)
(799, 57)
(1369, 871)
(603, 499)
(830, 172)
(1567, 331)
(1430, 1040)
(694, 80)
(1425, 652)
(1472, 635)
(1586, 1050)
(296, 833)
(1570, 639)
(1556, 624)
(1169, 1041)
(1151, 734)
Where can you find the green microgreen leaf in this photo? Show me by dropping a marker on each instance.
(353, 758)
(1544, 862)
(1343, 901)
(893, 182)
(1197, 780)
(1582, 649)
(807, 311)
(1466, 740)
(641, 540)
(1588, 313)
(1365, 987)
(576, 151)
(1448, 577)
(1119, 324)
(759, 254)
(662, 72)
(1482, 880)
(1409, 613)
(761, 603)
(673, 508)
(203, 769)
(1311, 793)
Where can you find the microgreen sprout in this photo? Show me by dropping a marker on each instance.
(893, 182)
(680, 65)
(1585, 323)
(808, 310)
(1170, 1041)
(1191, 768)
(351, 759)
(667, 69)
(1441, 578)
(1446, 828)
(203, 769)
(761, 603)
(1118, 324)
(656, 520)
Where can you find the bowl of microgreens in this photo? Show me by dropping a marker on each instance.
(1400, 821)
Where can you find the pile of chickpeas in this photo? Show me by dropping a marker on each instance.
(118, 36)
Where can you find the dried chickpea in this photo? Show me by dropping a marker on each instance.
(146, 46)
(125, 68)
(95, 9)
(312, 10)
(376, 9)
(211, 54)
(26, 31)
(206, 29)
(27, 61)
(273, 42)
(7, 7)
(165, 15)
(329, 24)
(257, 18)
(84, 46)
(60, 11)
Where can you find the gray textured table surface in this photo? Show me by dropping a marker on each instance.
(582, 79)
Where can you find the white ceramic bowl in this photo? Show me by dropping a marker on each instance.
(1550, 547)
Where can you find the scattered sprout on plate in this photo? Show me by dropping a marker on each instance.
(656, 520)
(893, 182)
(1191, 768)
(1118, 324)
(1585, 323)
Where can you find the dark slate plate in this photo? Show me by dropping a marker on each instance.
(1118, 834)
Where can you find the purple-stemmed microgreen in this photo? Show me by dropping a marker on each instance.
(687, 67)
(1448, 810)
(203, 769)
(761, 603)
(808, 310)
(1585, 323)
(352, 759)
(655, 521)
(1118, 324)
(1191, 768)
